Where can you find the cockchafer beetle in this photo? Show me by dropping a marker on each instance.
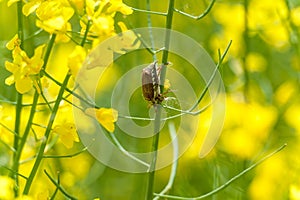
(151, 83)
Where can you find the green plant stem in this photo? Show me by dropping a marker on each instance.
(212, 77)
(59, 98)
(157, 120)
(199, 16)
(60, 188)
(21, 145)
(125, 152)
(48, 51)
(18, 153)
(70, 91)
(149, 24)
(246, 46)
(88, 26)
(19, 96)
(18, 174)
(46, 136)
(16, 138)
(229, 181)
(20, 22)
(149, 12)
(174, 140)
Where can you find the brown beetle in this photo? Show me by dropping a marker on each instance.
(150, 84)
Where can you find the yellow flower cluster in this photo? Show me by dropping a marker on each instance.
(53, 16)
(101, 16)
(24, 69)
(247, 126)
(75, 26)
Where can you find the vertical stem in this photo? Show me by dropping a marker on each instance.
(88, 26)
(19, 99)
(51, 121)
(167, 44)
(149, 24)
(18, 152)
(46, 136)
(16, 140)
(246, 40)
(157, 120)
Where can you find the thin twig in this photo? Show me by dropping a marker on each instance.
(174, 140)
(229, 181)
(221, 58)
(56, 189)
(13, 132)
(66, 156)
(14, 172)
(123, 150)
(199, 16)
(149, 12)
(59, 186)
(70, 91)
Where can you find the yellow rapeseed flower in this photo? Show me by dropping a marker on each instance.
(125, 42)
(255, 62)
(10, 2)
(7, 188)
(270, 180)
(23, 68)
(67, 134)
(294, 192)
(105, 116)
(76, 59)
(285, 92)
(101, 14)
(31, 6)
(247, 126)
(24, 197)
(265, 18)
(53, 16)
(14, 42)
(232, 29)
(295, 16)
(292, 117)
(119, 6)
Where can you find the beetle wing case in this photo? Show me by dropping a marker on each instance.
(150, 82)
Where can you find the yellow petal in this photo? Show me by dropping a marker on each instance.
(38, 52)
(30, 7)
(118, 5)
(76, 59)
(13, 42)
(167, 84)
(10, 80)
(7, 187)
(10, 2)
(67, 140)
(23, 85)
(67, 134)
(56, 23)
(72, 131)
(36, 62)
(105, 116)
(11, 67)
(122, 26)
